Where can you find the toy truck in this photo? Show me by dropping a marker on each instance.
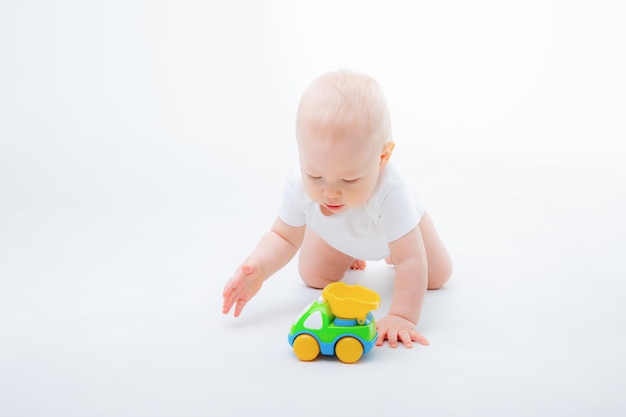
(339, 323)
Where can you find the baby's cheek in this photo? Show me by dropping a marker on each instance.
(358, 198)
(365, 193)
(312, 192)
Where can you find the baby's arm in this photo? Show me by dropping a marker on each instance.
(410, 285)
(274, 250)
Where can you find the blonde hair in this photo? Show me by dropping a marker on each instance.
(343, 98)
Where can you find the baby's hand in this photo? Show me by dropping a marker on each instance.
(394, 328)
(242, 287)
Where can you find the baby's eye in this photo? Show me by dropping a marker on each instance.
(350, 181)
(313, 177)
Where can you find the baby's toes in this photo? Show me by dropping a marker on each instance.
(358, 264)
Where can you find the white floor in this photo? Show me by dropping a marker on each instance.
(124, 208)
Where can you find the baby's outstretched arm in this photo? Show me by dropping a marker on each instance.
(410, 285)
(275, 249)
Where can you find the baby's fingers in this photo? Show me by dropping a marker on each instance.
(418, 338)
(241, 303)
(233, 299)
(229, 300)
(380, 339)
(231, 294)
(392, 338)
(406, 339)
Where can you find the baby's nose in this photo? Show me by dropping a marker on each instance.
(331, 190)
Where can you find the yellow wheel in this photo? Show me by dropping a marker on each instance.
(306, 347)
(349, 349)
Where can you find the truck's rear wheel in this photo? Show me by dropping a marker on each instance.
(348, 349)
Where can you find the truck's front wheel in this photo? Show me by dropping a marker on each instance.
(306, 347)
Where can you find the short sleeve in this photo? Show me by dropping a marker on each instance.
(291, 210)
(400, 212)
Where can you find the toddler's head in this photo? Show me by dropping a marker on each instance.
(343, 131)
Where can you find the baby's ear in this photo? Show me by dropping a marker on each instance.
(386, 154)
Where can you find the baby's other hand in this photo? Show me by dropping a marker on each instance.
(242, 287)
(395, 328)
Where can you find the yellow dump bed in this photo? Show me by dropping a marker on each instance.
(351, 301)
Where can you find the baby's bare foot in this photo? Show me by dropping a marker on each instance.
(389, 260)
(358, 264)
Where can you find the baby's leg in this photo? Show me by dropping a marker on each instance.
(439, 262)
(319, 263)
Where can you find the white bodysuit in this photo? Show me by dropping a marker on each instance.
(393, 210)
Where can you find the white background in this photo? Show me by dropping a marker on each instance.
(143, 147)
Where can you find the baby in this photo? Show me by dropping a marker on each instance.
(349, 205)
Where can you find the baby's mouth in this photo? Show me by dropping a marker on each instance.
(333, 207)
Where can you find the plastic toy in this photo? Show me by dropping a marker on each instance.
(339, 323)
